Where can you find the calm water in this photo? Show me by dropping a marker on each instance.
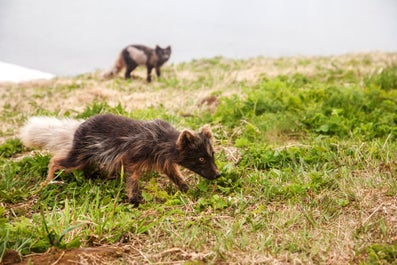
(68, 37)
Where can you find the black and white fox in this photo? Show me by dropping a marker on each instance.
(133, 55)
(109, 143)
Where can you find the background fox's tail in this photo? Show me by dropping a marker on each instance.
(117, 66)
(50, 133)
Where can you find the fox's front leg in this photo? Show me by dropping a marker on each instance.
(149, 73)
(133, 193)
(158, 73)
(53, 166)
(175, 175)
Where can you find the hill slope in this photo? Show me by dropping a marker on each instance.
(306, 146)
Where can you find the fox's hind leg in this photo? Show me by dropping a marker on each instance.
(58, 163)
(53, 166)
(129, 68)
(133, 193)
(130, 63)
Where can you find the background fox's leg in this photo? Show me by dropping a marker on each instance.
(158, 73)
(175, 175)
(149, 73)
(132, 186)
(129, 68)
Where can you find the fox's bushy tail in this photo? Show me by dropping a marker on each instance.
(50, 133)
(116, 68)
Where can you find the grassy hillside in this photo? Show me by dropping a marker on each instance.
(306, 145)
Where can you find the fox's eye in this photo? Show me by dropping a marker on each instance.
(201, 159)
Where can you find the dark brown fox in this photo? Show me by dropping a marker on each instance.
(110, 143)
(133, 55)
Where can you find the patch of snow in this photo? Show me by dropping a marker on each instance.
(15, 73)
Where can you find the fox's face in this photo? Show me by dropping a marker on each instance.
(163, 54)
(197, 154)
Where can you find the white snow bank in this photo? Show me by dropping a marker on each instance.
(15, 73)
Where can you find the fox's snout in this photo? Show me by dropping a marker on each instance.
(214, 174)
(217, 174)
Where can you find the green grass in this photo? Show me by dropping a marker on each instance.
(308, 164)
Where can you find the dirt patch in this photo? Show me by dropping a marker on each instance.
(99, 255)
(123, 254)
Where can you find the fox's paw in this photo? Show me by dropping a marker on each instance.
(135, 200)
(184, 188)
(43, 184)
(53, 182)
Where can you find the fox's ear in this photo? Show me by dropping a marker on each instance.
(206, 131)
(185, 139)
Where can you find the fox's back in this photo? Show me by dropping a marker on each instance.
(103, 133)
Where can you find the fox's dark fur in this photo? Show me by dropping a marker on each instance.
(109, 143)
(133, 55)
